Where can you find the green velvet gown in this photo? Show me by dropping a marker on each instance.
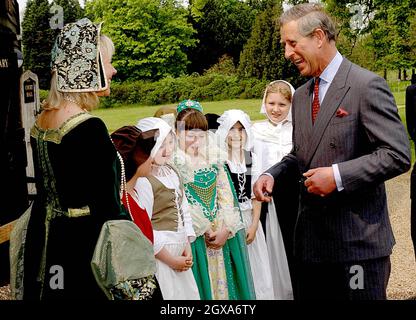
(77, 181)
(223, 274)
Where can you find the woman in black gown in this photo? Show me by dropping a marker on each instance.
(76, 168)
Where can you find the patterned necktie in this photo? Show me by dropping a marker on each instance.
(315, 102)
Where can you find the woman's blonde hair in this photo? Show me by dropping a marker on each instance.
(107, 45)
(86, 100)
(280, 87)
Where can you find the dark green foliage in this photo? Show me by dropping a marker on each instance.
(38, 36)
(150, 36)
(223, 27)
(384, 40)
(224, 66)
(37, 40)
(209, 87)
(43, 94)
(263, 55)
(72, 10)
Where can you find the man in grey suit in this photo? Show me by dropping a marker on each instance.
(411, 128)
(347, 140)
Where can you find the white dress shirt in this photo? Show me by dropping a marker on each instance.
(326, 78)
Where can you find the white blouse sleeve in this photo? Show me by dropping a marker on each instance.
(187, 220)
(145, 195)
(200, 223)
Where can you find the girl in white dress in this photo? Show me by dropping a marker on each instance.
(163, 197)
(235, 138)
(272, 141)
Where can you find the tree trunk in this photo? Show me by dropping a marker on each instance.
(385, 74)
(400, 75)
(404, 74)
(413, 71)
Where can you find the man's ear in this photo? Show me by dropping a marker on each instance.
(320, 36)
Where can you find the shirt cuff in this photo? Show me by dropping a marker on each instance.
(267, 174)
(190, 233)
(337, 177)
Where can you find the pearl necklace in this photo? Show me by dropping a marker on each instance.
(123, 187)
(72, 100)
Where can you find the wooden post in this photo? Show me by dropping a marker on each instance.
(29, 97)
(5, 231)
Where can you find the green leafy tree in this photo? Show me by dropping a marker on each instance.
(384, 29)
(71, 9)
(39, 33)
(412, 44)
(150, 36)
(263, 55)
(37, 40)
(223, 27)
(397, 35)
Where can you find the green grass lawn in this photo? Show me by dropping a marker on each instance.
(400, 98)
(115, 118)
(130, 114)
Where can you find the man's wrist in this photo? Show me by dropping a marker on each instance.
(267, 174)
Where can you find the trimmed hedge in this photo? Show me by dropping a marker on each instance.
(208, 87)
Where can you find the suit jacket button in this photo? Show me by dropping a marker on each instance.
(332, 145)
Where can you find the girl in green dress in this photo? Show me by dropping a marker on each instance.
(221, 267)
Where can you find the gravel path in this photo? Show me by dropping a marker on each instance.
(402, 284)
(4, 293)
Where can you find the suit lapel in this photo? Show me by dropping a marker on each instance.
(330, 104)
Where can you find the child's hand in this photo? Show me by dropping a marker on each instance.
(208, 234)
(217, 239)
(187, 253)
(181, 263)
(251, 233)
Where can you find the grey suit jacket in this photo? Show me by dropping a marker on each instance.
(370, 145)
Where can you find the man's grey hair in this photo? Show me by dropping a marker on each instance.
(310, 16)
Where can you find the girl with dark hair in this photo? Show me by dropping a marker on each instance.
(221, 267)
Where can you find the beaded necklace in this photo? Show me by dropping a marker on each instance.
(123, 187)
(72, 100)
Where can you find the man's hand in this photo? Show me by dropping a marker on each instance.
(263, 188)
(320, 181)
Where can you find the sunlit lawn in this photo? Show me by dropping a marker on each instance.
(126, 115)
(117, 117)
(130, 114)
